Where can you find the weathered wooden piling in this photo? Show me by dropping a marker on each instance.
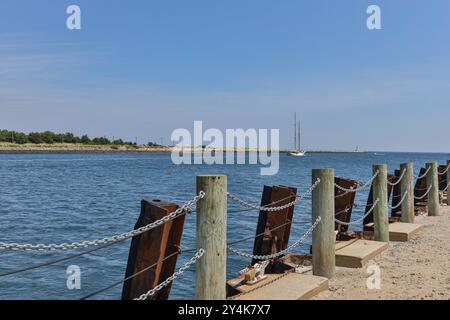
(433, 195)
(323, 237)
(380, 213)
(407, 185)
(448, 181)
(212, 237)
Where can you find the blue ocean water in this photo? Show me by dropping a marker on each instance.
(66, 198)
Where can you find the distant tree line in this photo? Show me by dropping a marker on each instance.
(51, 137)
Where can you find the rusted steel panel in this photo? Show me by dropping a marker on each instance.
(396, 195)
(442, 178)
(152, 247)
(369, 219)
(420, 188)
(274, 240)
(344, 202)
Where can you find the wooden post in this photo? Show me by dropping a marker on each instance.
(380, 213)
(407, 186)
(212, 237)
(433, 195)
(448, 181)
(323, 236)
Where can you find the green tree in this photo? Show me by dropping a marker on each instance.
(35, 137)
(85, 139)
(20, 138)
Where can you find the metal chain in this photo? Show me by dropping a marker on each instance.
(400, 203)
(243, 203)
(362, 187)
(169, 280)
(399, 179)
(293, 270)
(446, 188)
(358, 205)
(112, 239)
(445, 171)
(309, 191)
(420, 189)
(280, 253)
(424, 175)
(342, 194)
(360, 219)
(426, 193)
(399, 195)
(343, 211)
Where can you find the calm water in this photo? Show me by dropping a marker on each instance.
(65, 198)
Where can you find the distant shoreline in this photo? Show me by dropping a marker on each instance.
(80, 150)
(108, 149)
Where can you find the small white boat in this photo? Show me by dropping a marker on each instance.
(297, 152)
(300, 153)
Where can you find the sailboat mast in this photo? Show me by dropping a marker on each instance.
(295, 130)
(299, 136)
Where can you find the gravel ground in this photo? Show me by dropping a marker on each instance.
(418, 269)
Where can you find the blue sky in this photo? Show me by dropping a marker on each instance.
(144, 68)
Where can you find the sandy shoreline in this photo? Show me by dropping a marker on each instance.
(418, 269)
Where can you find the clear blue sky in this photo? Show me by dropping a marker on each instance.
(144, 68)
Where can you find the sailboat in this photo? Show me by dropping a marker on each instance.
(297, 152)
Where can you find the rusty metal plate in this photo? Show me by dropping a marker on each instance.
(420, 188)
(396, 194)
(274, 240)
(152, 247)
(442, 178)
(343, 202)
(391, 191)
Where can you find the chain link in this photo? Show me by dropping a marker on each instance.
(445, 171)
(112, 239)
(280, 253)
(400, 203)
(170, 279)
(361, 187)
(446, 188)
(424, 175)
(346, 210)
(343, 194)
(426, 193)
(244, 203)
(399, 179)
(360, 219)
